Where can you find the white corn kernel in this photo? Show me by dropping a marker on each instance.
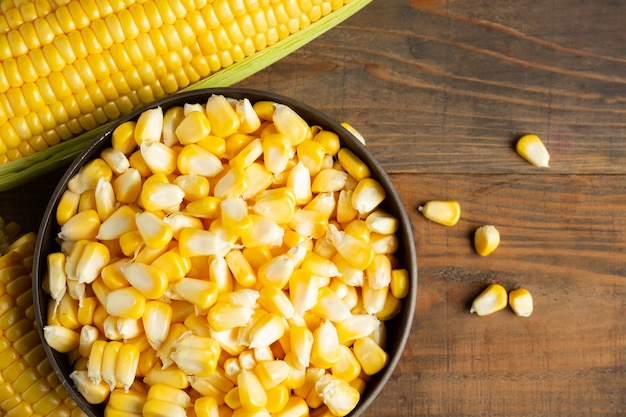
(494, 298)
(486, 239)
(521, 302)
(532, 149)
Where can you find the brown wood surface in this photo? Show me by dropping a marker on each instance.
(441, 90)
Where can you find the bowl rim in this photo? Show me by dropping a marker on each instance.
(313, 116)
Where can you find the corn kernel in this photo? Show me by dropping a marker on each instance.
(521, 301)
(493, 298)
(532, 149)
(486, 239)
(446, 213)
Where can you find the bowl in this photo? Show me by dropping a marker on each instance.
(398, 328)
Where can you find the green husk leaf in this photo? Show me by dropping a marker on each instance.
(28, 168)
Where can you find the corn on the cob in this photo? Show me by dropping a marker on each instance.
(248, 300)
(27, 379)
(66, 73)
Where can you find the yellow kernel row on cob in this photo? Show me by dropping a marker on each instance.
(225, 265)
(68, 69)
(28, 384)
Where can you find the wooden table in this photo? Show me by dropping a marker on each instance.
(441, 90)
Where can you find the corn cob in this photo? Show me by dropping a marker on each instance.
(28, 384)
(71, 67)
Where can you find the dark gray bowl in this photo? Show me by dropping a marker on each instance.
(398, 328)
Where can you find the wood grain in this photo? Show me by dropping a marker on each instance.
(441, 90)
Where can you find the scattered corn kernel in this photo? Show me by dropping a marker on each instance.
(443, 212)
(521, 301)
(532, 149)
(486, 239)
(494, 298)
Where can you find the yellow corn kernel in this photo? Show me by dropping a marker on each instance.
(222, 117)
(348, 368)
(126, 302)
(445, 212)
(234, 216)
(371, 356)
(156, 320)
(311, 154)
(399, 284)
(149, 126)
(299, 181)
(274, 300)
(130, 401)
(240, 268)
(251, 392)
(116, 160)
(329, 180)
(248, 154)
(94, 393)
(109, 362)
(271, 373)
(127, 186)
(373, 299)
(87, 201)
(533, 150)
(309, 223)
(193, 159)
(303, 290)
(521, 301)
(353, 164)
(357, 253)
(233, 183)
(277, 151)
(88, 176)
(175, 266)
(378, 273)
(278, 204)
(130, 242)
(150, 281)
(206, 407)
(66, 313)
(486, 239)
(61, 338)
(381, 222)
(126, 365)
(157, 195)
(93, 258)
(169, 394)
(160, 408)
(68, 207)
(281, 403)
(194, 127)
(325, 350)
(367, 195)
(105, 200)
(224, 316)
(301, 341)
(88, 336)
(171, 376)
(291, 124)
(195, 187)
(194, 242)
(56, 277)
(196, 355)
(84, 225)
(160, 158)
(266, 330)
(277, 271)
(155, 232)
(201, 293)
(338, 395)
(493, 298)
